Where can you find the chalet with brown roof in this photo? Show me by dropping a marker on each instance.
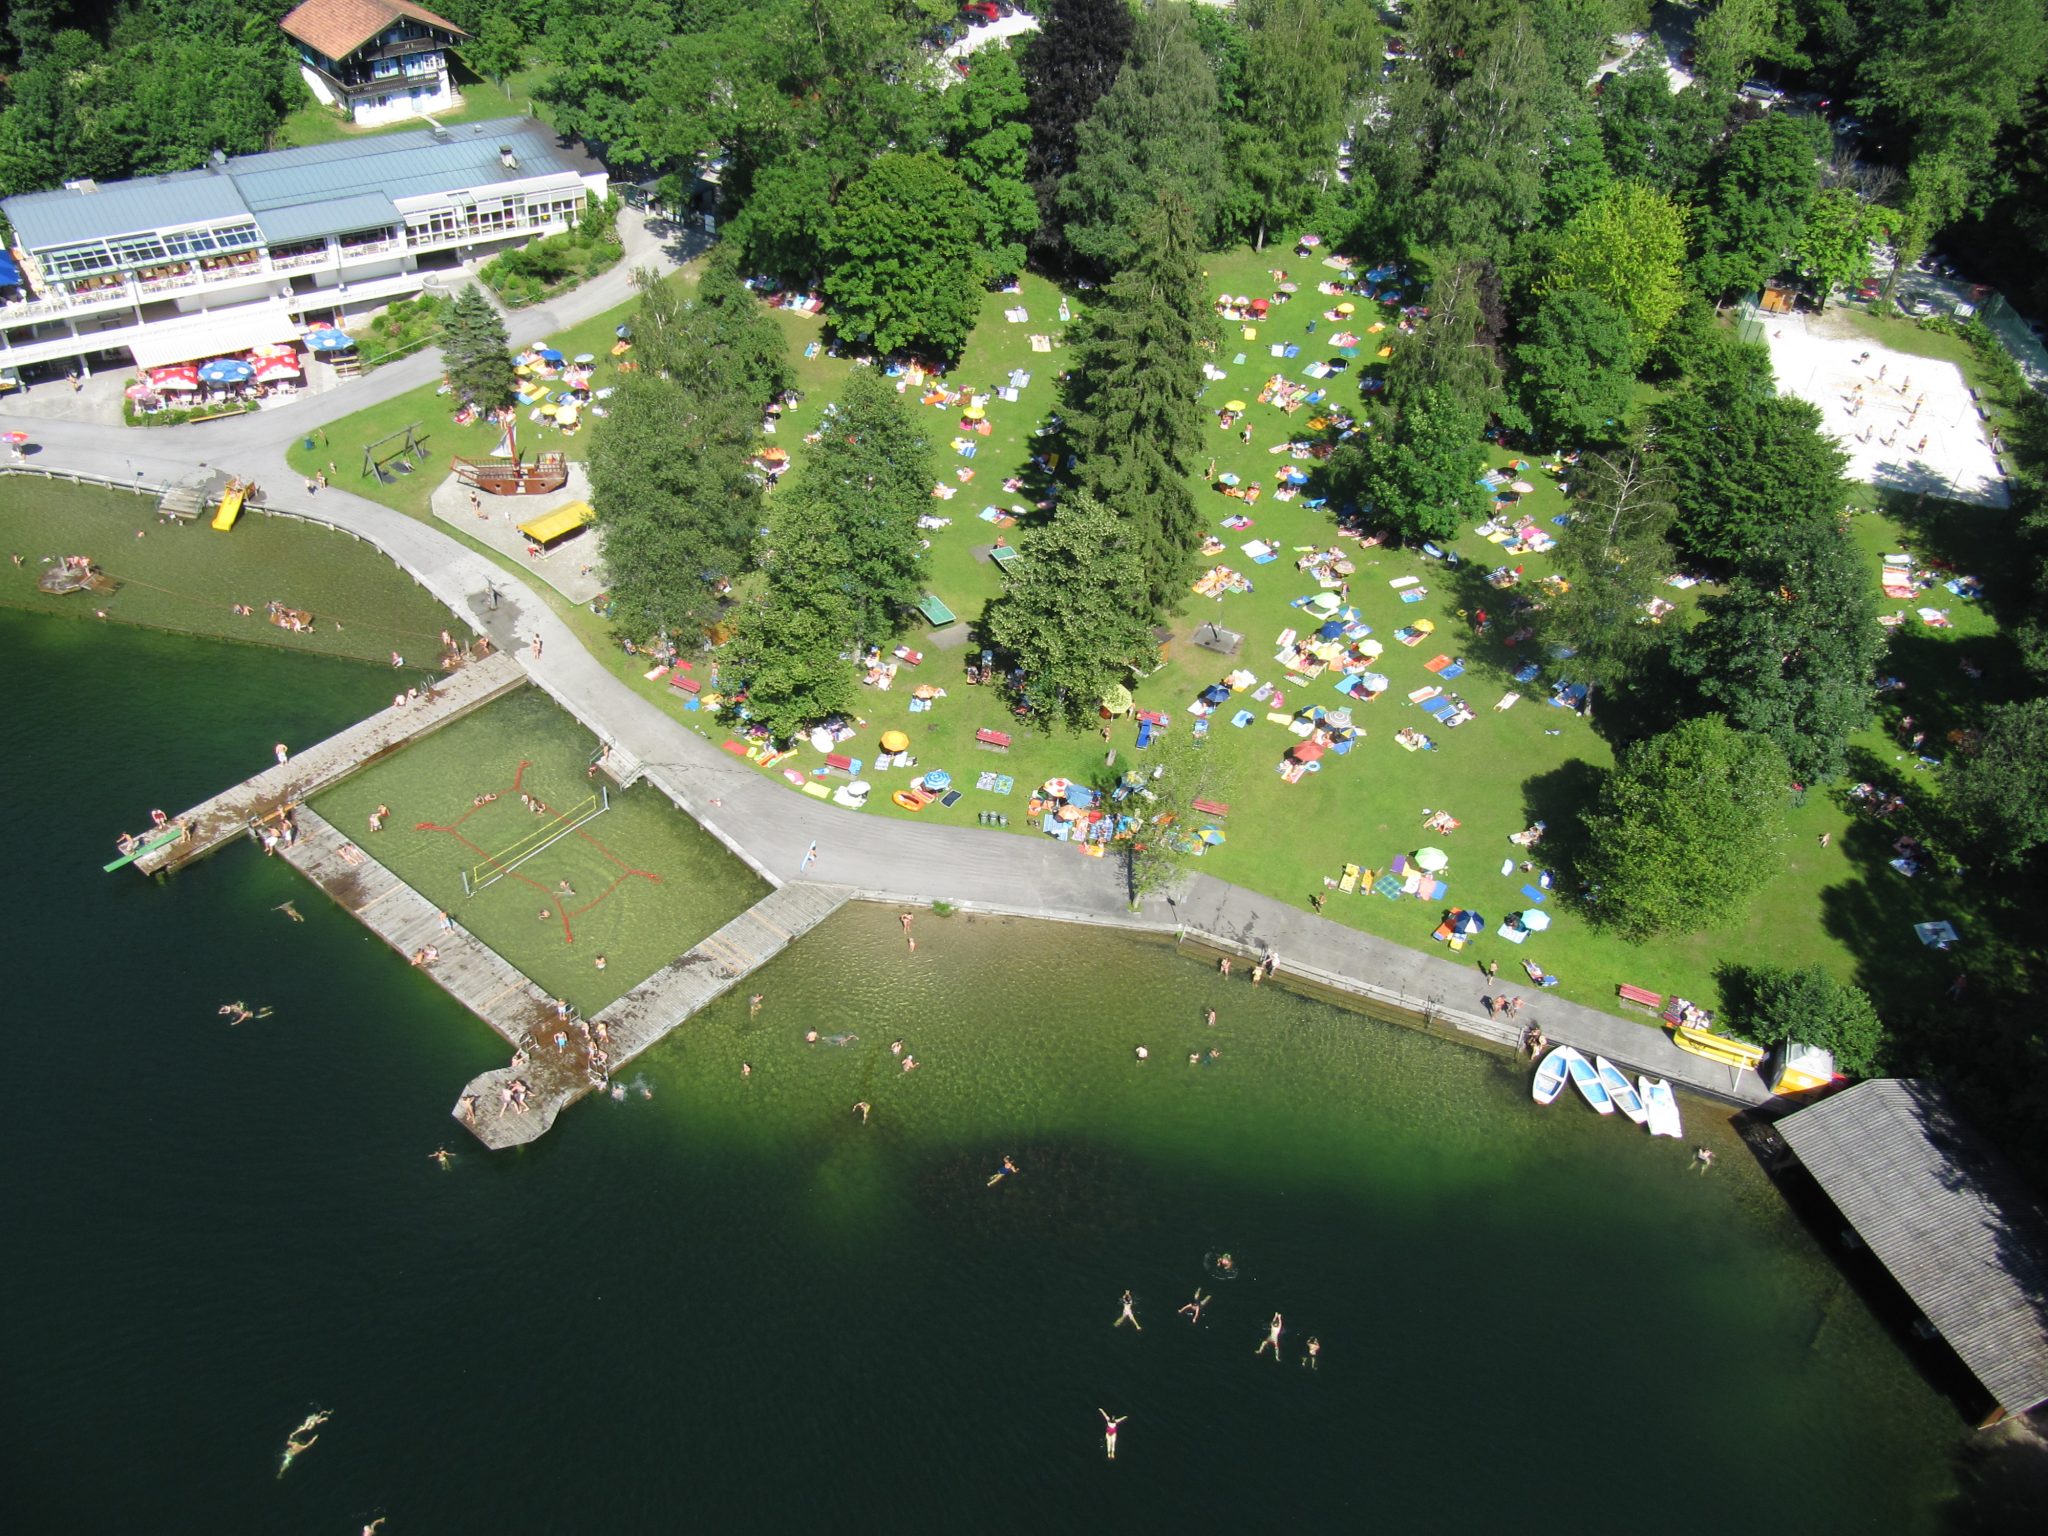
(381, 61)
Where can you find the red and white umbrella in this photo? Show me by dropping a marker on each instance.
(268, 368)
(13, 437)
(143, 391)
(185, 376)
(273, 349)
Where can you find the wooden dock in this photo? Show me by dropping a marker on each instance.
(468, 970)
(557, 1078)
(231, 813)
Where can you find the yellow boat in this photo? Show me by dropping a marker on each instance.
(1722, 1048)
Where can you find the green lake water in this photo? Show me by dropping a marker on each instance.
(731, 1306)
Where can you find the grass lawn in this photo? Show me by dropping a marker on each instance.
(482, 101)
(187, 577)
(1839, 905)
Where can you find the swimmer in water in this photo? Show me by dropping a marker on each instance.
(895, 1047)
(810, 1037)
(1225, 1263)
(1272, 1338)
(1193, 1310)
(841, 1039)
(371, 1528)
(294, 1447)
(1003, 1172)
(1315, 1349)
(862, 1109)
(1209, 1018)
(1128, 1316)
(746, 1069)
(754, 1004)
(442, 1156)
(1109, 1432)
(291, 912)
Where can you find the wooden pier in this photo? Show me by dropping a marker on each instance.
(472, 973)
(231, 813)
(557, 1078)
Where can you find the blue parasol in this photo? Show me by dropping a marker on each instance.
(226, 370)
(328, 339)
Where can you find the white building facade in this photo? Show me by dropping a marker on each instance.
(254, 249)
(380, 61)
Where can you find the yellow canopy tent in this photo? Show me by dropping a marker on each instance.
(558, 524)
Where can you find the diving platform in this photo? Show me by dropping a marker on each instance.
(233, 812)
(640, 1019)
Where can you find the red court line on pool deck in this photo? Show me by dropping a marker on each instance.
(626, 871)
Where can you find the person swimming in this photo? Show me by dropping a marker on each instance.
(1315, 1350)
(1272, 1339)
(1193, 1310)
(1003, 1172)
(1109, 1432)
(294, 1447)
(841, 1039)
(1128, 1316)
(442, 1156)
(754, 1004)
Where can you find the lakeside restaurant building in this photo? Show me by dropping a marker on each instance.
(258, 248)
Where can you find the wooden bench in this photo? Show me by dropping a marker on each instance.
(1220, 809)
(992, 741)
(1650, 1000)
(838, 763)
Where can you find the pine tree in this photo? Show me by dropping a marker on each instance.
(1069, 63)
(1157, 132)
(477, 352)
(1133, 424)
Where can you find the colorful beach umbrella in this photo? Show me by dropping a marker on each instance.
(1308, 751)
(1468, 922)
(586, 358)
(13, 437)
(974, 413)
(1535, 919)
(278, 367)
(328, 339)
(226, 370)
(1522, 486)
(142, 391)
(1226, 479)
(1310, 242)
(1347, 308)
(895, 741)
(938, 779)
(547, 354)
(1431, 860)
(1233, 405)
(1323, 602)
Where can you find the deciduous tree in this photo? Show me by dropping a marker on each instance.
(907, 265)
(1627, 246)
(1686, 830)
(1418, 478)
(1777, 1004)
(990, 144)
(1834, 246)
(794, 643)
(1998, 789)
(1763, 191)
(1574, 366)
(1789, 651)
(1614, 556)
(1074, 613)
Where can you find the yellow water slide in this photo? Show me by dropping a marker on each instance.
(231, 504)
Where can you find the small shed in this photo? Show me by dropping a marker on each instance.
(1948, 1217)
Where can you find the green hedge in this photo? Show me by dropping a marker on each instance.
(403, 329)
(181, 415)
(544, 268)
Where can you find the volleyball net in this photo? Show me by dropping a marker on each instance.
(488, 871)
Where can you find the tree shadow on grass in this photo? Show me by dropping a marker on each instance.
(1559, 799)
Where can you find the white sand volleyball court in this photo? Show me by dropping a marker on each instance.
(1907, 423)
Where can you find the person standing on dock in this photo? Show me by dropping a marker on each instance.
(1271, 1339)
(282, 751)
(810, 853)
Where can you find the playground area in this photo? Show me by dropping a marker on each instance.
(571, 561)
(499, 821)
(1907, 423)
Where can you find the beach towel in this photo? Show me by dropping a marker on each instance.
(1423, 693)
(1401, 582)
(1455, 669)
(1242, 718)
(1508, 701)
(1442, 709)
(1512, 935)
(1388, 887)
(1527, 672)
(1507, 866)
(1436, 663)
(1539, 897)
(1415, 594)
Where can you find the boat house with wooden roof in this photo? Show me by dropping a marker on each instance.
(1948, 1217)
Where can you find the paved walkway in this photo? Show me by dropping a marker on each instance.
(773, 830)
(574, 567)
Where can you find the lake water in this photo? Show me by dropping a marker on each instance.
(731, 1306)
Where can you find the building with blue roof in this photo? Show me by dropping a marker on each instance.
(256, 248)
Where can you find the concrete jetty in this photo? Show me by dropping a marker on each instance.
(557, 1078)
(304, 774)
(472, 973)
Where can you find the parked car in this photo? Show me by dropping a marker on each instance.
(980, 10)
